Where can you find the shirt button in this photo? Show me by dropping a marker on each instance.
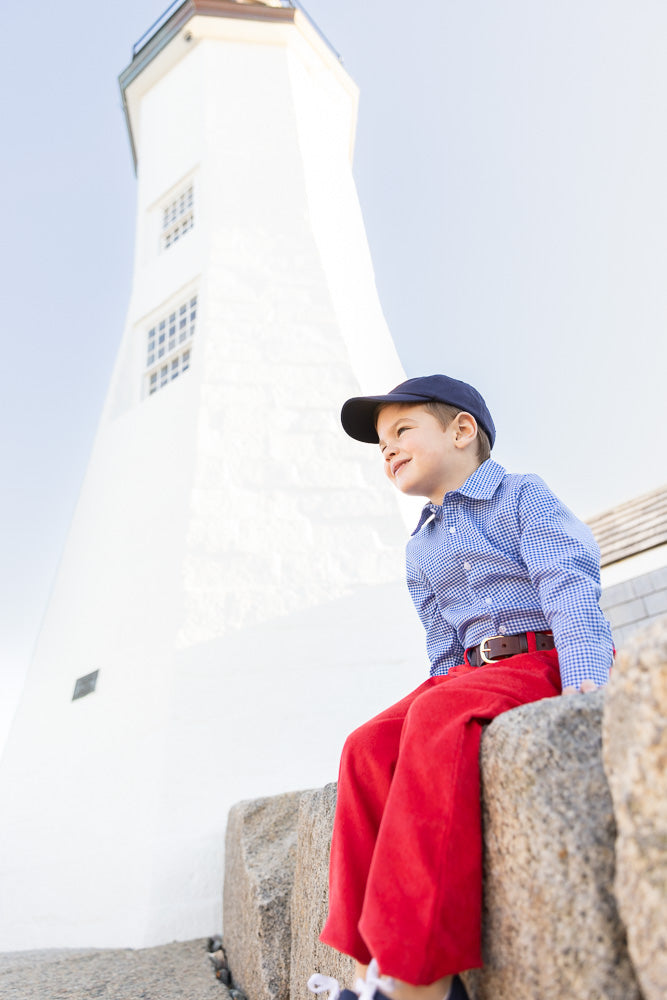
(502, 629)
(487, 600)
(452, 530)
(466, 565)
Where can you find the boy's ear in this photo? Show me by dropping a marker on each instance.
(465, 429)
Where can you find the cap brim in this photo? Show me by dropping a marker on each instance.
(358, 414)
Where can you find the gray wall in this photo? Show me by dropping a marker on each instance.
(635, 602)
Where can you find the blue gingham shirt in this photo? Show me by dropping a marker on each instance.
(503, 555)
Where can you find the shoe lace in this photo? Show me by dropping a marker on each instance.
(324, 984)
(366, 987)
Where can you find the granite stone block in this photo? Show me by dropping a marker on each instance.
(635, 760)
(551, 926)
(311, 895)
(260, 858)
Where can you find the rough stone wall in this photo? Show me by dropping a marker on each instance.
(635, 759)
(311, 895)
(551, 926)
(572, 870)
(260, 858)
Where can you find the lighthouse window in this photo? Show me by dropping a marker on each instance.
(167, 344)
(177, 218)
(85, 685)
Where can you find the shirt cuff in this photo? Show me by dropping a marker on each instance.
(584, 663)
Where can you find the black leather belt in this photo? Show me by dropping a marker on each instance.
(498, 647)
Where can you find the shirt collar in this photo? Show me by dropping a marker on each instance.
(481, 485)
(484, 481)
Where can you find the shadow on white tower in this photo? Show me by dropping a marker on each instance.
(230, 599)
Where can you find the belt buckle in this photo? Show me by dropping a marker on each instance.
(482, 653)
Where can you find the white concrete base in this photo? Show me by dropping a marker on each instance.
(115, 836)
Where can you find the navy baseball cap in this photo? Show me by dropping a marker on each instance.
(358, 413)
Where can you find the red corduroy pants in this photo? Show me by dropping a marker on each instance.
(405, 879)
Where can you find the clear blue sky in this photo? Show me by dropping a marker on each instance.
(511, 164)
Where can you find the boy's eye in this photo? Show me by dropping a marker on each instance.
(400, 430)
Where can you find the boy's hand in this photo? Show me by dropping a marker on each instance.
(586, 686)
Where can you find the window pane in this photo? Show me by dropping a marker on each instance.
(177, 217)
(162, 340)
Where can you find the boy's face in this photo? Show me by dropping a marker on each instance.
(421, 458)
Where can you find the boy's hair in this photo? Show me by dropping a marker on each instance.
(444, 414)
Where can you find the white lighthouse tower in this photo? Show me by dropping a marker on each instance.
(230, 601)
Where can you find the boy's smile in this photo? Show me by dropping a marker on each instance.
(421, 457)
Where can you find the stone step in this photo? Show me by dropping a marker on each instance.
(178, 971)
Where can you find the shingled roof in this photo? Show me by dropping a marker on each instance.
(632, 527)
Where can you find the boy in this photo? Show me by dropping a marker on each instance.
(506, 582)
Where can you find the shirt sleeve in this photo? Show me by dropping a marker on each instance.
(563, 561)
(442, 643)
